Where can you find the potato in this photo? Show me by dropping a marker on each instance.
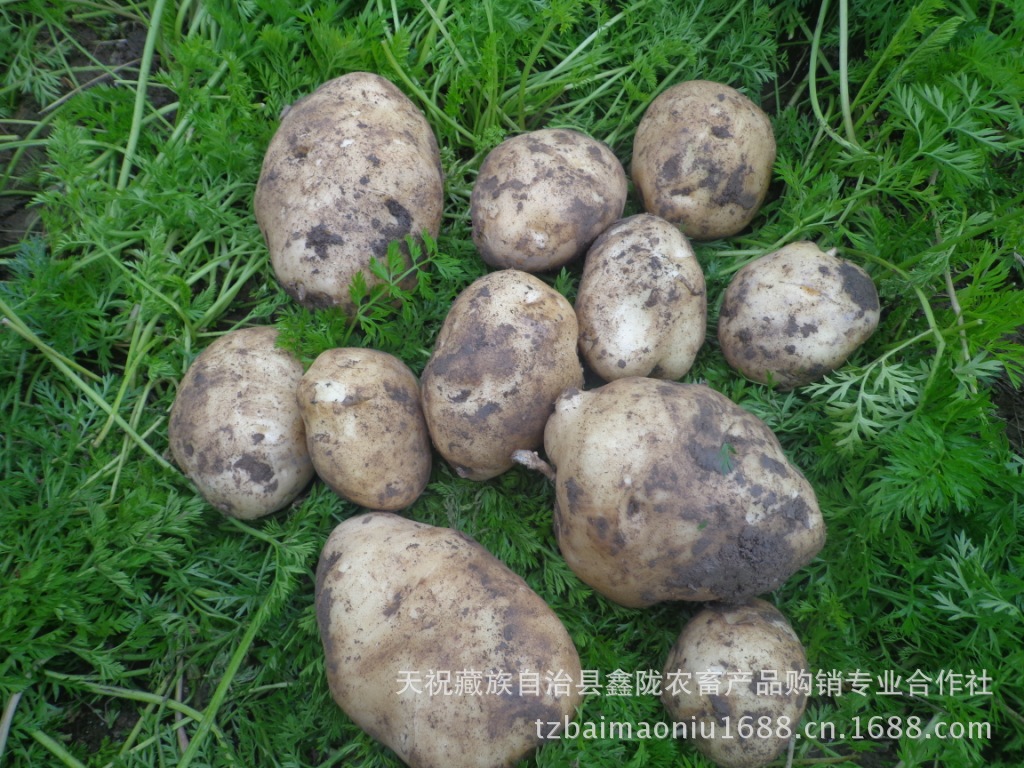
(365, 428)
(398, 601)
(351, 168)
(641, 302)
(702, 158)
(794, 315)
(542, 197)
(737, 680)
(669, 491)
(506, 350)
(235, 428)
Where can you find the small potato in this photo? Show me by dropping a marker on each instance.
(351, 168)
(794, 315)
(641, 303)
(506, 350)
(398, 601)
(364, 427)
(669, 491)
(702, 158)
(235, 428)
(542, 197)
(737, 670)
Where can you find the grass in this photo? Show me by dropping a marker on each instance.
(139, 627)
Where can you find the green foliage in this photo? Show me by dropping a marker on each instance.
(415, 286)
(141, 628)
(30, 55)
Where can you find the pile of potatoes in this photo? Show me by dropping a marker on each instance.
(663, 491)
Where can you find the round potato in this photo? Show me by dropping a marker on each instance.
(235, 429)
(506, 350)
(734, 680)
(365, 428)
(669, 491)
(794, 315)
(641, 303)
(702, 158)
(436, 649)
(351, 168)
(542, 197)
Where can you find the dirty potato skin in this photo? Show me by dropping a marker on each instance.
(364, 427)
(395, 596)
(669, 491)
(235, 428)
(351, 168)
(505, 352)
(745, 657)
(542, 197)
(795, 315)
(641, 303)
(702, 158)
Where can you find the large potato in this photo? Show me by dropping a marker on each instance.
(796, 314)
(235, 428)
(351, 168)
(542, 197)
(398, 601)
(641, 303)
(737, 678)
(669, 491)
(702, 158)
(506, 350)
(364, 427)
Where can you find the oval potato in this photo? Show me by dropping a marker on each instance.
(235, 429)
(397, 600)
(641, 302)
(669, 491)
(739, 664)
(351, 168)
(541, 198)
(796, 314)
(364, 427)
(505, 352)
(702, 158)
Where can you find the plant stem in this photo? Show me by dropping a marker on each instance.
(7, 719)
(140, 95)
(812, 80)
(439, 26)
(424, 99)
(844, 75)
(143, 697)
(122, 457)
(109, 74)
(528, 66)
(58, 361)
(140, 338)
(56, 749)
(210, 713)
(16, 324)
